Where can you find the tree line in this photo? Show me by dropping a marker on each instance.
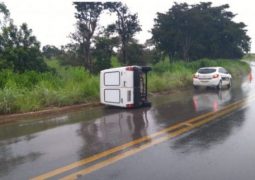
(197, 31)
(184, 32)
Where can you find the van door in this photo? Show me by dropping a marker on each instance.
(110, 91)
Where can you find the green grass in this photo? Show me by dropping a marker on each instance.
(31, 91)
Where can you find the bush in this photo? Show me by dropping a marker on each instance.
(30, 91)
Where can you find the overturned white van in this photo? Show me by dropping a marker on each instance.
(124, 86)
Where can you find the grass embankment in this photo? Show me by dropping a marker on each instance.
(33, 91)
(167, 76)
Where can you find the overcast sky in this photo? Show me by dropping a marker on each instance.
(53, 20)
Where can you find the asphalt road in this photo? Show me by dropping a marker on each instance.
(205, 134)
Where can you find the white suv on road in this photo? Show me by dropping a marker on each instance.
(212, 77)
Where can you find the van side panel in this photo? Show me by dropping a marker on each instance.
(127, 80)
(127, 88)
(127, 96)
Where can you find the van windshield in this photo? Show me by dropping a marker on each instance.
(206, 71)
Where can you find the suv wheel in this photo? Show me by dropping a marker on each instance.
(230, 84)
(219, 87)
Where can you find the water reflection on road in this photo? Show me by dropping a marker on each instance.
(113, 129)
(212, 99)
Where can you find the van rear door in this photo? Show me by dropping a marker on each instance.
(110, 82)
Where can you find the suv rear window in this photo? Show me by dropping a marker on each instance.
(206, 71)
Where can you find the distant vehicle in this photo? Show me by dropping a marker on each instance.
(212, 77)
(124, 86)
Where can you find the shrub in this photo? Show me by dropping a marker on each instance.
(30, 91)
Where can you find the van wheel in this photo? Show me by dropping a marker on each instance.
(195, 87)
(219, 87)
(146, 104)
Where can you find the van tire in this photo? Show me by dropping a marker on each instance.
(196, 87)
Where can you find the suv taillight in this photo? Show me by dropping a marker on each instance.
(215, 75)
(195, 76)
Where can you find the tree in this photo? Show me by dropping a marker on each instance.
(199, 31)
(87, 15)
(71, 54)
(103, 52)
(20, 49)
(50, 51)
(136, 54)
(4, 14)
(126, 26)
(152, 56)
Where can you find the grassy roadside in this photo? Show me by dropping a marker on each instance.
(33, 91)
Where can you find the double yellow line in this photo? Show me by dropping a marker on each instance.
(144, 142)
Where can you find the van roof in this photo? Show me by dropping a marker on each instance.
(143, 68)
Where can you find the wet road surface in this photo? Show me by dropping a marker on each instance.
(93, 140)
